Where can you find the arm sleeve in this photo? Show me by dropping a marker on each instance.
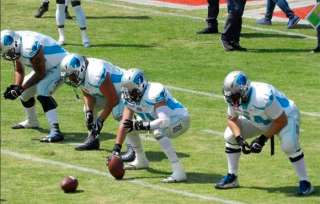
(163, 119)
(274, 110)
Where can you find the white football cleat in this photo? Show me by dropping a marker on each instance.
(177, 176)
(61, 40)
(34, 124)
(85, 39)
(141, 163)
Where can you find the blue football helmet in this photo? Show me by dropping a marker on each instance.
(73, 69)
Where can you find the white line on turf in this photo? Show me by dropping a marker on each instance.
(200, 93)
(164, 13)
(101, 173)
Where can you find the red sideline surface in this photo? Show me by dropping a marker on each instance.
(301, 12)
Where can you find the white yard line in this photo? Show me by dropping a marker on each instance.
(212, 95)
(101, 173)
(164, 13)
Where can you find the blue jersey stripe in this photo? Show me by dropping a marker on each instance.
(54, 49)
(116, 78)
(173, 105)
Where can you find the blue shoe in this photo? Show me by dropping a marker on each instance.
(54, 136)
(293, 22)
(228, 181)
(264, 21)
(305, 188)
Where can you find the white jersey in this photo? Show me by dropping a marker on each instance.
(156, 93)
(96, 74)
(265, 104)
(31, 44)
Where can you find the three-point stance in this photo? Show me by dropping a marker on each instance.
(159, 112)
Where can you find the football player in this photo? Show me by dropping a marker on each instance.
(99, 82)
(43, 55)
(159, 112)
(44, 7)
(256, 108)
(81, 19)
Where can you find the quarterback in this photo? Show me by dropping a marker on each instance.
(158, 112)
(256, 108)
(43, 55)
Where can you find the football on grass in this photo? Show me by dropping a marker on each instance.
(115, 166)
(69, 184)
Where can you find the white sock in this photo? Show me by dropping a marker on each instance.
(31, 113)
(66, 2)
(84, 35)
(60, 15)
(45, 1)
(300, 169)
(233, 162)
(135, 142)
(80, 16)
(52, 117)
(168, 149)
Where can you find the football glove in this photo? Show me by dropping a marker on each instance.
(12, 92)
(89, 120)
(258, 143)
(243, 144)
(136, 125)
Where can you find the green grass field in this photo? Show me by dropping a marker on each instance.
(167, 48)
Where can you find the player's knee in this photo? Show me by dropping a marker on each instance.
(228, 135)
(289, 147)
(60, 1)
(75, 3)
(297, 157)
(48, 103)
(159, 134)
(28, 103)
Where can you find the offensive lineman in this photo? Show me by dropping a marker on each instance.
(160, 112)
(99, 82)
(256, 108)
(43, 55)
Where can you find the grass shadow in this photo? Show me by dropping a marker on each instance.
(302, 26)
(114, 45)
(287, 190)
(279, 50)
(159, 156)
(269, 35)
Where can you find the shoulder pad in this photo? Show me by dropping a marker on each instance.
(156, 93)
(264, 95)
(30, 47)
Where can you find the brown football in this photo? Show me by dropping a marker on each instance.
(115, 166)
(69, 184)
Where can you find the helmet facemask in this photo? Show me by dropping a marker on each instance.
(73, 70)
(10, 54)
(133, 95)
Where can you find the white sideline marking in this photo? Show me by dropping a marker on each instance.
(214, 132)
(100, 173)
(200, 93)
(163, 13)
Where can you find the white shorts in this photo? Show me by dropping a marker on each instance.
(178, 126)
(289, 135)
(44, 87)
(100, 102)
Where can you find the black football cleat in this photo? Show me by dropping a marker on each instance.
(208, 30)
(316, 50)
(54, 136)
(42, 9)
(91, 143)
(237, 47)
(227, 46)
(128, 156)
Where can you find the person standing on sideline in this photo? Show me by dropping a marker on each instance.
(317, 49)
(230, 37)
(212, 22)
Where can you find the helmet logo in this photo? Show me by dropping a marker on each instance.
(138, 79)
(75, 62)
(241, 80)
(8, 40)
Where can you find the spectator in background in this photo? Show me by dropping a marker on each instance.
(44, 7)
(230, 37)
(284, 6)
(212, 23)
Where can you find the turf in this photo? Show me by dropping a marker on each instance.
(170, 52)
